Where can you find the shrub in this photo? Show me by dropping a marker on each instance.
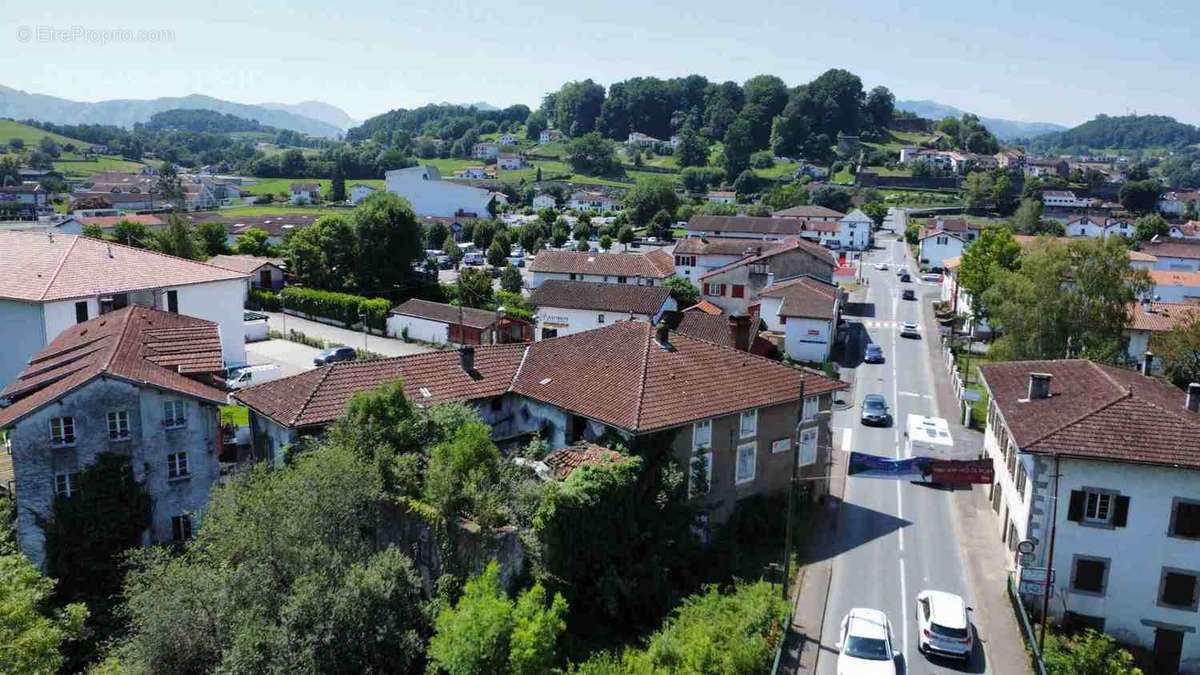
(342, 307)
(265, 301)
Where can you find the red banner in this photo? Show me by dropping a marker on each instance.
(979, 471)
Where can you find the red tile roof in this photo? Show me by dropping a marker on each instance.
(622, 298)
(657, 264)
(705, 307)
(38, 267)
(449, 314)
(1173, 248)
(808, 211)
(805, 297)
(318, 397)
(246, 264)
(721, 246)
(817, 251)
(756, 225)
(137, 344)
(1162, 317)
(566, 460)
(1096, 411)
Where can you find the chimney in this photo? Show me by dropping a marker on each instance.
(466, 355)
(1039, 386)
(1193, 397)
(663, 335)
(1147, 363)
(739, 332)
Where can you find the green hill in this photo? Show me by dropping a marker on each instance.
(31, 135)
(1125, 132)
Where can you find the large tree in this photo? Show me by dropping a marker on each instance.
(592, 155)
(880, 107)
(324, 255)
(214, 238)
(32, 630)
(179, 239)
(577, 106)
(648, 198)
(692, 150)
(738, 146)
(1179, 351)
(766, 95)
(389, 239)
(1140, 196)
(993, 252)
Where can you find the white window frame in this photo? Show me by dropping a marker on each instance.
(1098, 507)
(781, 445)
(806, 449)
(600, 318)
(118, 425)
(738, 478)
(704, 426)
(812, 408)
(751, 415)
(708, 470)
(174, 414)
(177, 466)
(62, 431)
(66, 484)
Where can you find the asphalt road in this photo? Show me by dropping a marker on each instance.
(895, 537)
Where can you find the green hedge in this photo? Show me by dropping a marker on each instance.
(265, 301)
(342, 307)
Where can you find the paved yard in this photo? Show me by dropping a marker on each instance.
(375, 343)
(293, 358)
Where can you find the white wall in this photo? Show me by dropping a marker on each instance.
(808, 339)
(1176, 294)
(418, 329)
(537, 278)
(855, 233)
(24, 334)
(579, 320)
(934, 254)
(437, 197)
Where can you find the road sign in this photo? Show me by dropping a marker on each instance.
(1024, 559)
(1026, 546)
(1035, 574)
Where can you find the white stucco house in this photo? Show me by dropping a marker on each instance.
(569, 307)
(544, 201)
(429, 195)
(1104, 461)
(935, 247)
(305, 193)
(721, 197)
(649, 269)
(855, 231)
(510, 162)
(1099, 228)
(51, 282)
(805, 311)
(592, 201)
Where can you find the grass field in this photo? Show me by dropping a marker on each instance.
(31, 135)
(74, 166)
(283, 210)
(276, 185)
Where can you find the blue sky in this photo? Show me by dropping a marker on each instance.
(1051, 60)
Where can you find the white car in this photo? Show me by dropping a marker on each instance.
(931, 277)
(909, 329)
(865, 644)
(881, 266)
(944, 624)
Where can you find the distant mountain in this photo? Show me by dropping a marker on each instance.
(1126, 132)
(20, 105)
(1002, 128)
(481, 106)
(317, 110)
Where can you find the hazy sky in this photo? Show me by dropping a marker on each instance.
(1045, 60)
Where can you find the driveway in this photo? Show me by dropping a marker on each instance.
(342, 336)
(292, 358)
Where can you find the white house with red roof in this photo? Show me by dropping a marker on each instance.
(638, 269)
(136, 382)
(1098, 228)
(1188, 230)
(736, 286)
(805, 312)
(1102, 464)
(49, 282)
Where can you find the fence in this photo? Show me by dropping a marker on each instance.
(1026, 627)
(787, 623)
(956, 381)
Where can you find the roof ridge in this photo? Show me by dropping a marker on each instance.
(641, 389)
(58, 268)
(520, 366)
(119, 339)
(311, 394)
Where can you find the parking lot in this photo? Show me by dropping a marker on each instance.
(292, 358)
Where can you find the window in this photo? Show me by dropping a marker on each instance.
(812, 408)
(118, 425)
(173, 301)
(1089, 575)
(81, 311)
(177, 465)
(599, 318)
(1177, 589)
(700, 474)
(181, 527)
(62, 431)
(746, 455)
(173, 416)
(1093, 506)
(702, 434)
(781, 445)
(573, 276)
(1022, 478)
(1012, 465)
(1098, 507)
(808, 447)
(714, 290)
(738, 291)
(620, 280)
(497, 404)
(943, 240)
(1185, 519)
(66, 484)
(749, 424)
(111, 303)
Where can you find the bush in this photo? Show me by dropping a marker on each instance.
(342, 307)
(264, 301)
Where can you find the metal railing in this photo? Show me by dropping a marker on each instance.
(1031, 642)
(787, 627)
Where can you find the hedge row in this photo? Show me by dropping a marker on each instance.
(342, 307)
(264, 301)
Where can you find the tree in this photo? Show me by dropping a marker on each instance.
(606, 242)
(179, 239)
(766, 95)
(583, 246)
(880, 107)
(559, 234)
(17, 144)
(996, 250)
(977, 189)
(10, 171)
(1179, 351)
(685, 292)
(1149, 227)
(1087, 652)
(40, 160)
(649, 197)
(132, 233)
(1140, 196)
(660, 225)
(510, 279)
(389, 239)
(1004, 193)
(483, 234)
(495, 255)
(486, 632)
(168, 187)
(474, 287)
(592, 155)
(337, 183)
(213, 237)
(31, 633)
(534, 125)
(48, 146)
(1028, 220)
(692, 149)
(582, 230)
(786, 196)
(738, 145)
(451, 249)
(1065, 299)
(577, 106)
(254, 241)
(697, 179)
(831, 198)
(746, 184)
(435, 234)
(625, 236)
(92, 230)
(324, 255)
(876, 211)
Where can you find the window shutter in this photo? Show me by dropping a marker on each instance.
(706, 290)
(1121, 512)
(1075, 510)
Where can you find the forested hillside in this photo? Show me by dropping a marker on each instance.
(1127, 131)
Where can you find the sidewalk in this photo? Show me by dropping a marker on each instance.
(375, 343)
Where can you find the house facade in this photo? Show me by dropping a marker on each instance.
(485, 150)
(1099, 228)
(510, 162)
(735, 287)
(544, 201)
(549, 136)
(262, 273)
(429, 195)
(1123, 509)
(1147, 319)
(441, 324)
(305, 193)
(806, 312)
(53, 282)
(648, 269)
(569, 307)
(592, 201)
(696, 256)
(133, 383)
(935, 247)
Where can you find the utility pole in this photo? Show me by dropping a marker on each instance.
(1050, 559)
(362, 316)
(787, 535)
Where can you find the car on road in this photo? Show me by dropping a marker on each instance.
(945, 627)
(904, 278)
(931, 276)
(333, 355)
(909, 294)
(875, 411)
(909, 329)
(881, 266)
(865, 644)
(873, 353)
(901, 270)
(248, 376)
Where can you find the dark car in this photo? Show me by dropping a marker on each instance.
(875, 410)
(873, 354)
(909, 294)
(333, 355)
(905, 278)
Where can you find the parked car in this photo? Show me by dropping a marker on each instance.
(931, 276)
(333, 355)
(473, 259)
(904, 278)
(909, 294)
(865, 644)
(901, 270)
(910, 330)
(945, 628)
(873, 353)
(881, 266)
(248, 376)
(875, 411)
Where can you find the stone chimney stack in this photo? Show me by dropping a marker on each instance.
(1147, 363)
(466, 355)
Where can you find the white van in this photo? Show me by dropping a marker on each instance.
(252, 375)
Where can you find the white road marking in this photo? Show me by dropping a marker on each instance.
(913, 394)
(904, 613)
